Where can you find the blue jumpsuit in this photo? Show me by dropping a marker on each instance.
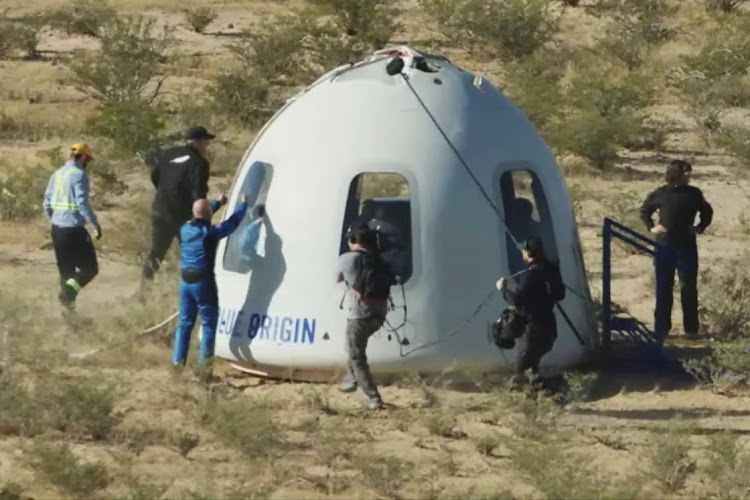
(198, 293)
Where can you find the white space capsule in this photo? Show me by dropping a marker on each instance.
(326, 153)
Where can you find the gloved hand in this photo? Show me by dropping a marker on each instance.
(98, 232)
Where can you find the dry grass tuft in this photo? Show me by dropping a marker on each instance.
(249, 426)
(59, 466)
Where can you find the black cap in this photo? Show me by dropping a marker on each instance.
(198, 133)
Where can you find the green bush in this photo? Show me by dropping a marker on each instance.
(134, 126)
(200, 17)
(329, 49)
(128, 63)
(646, 20)
(277, 49)
(191, 106)
(595, 137)
(243, 95)
(726, 52)
(603, 112)
(372, 21)
(83, 17)
(533, 83)
(609, 93)
(628, 47)
(510, 29)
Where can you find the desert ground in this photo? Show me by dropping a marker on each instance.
(121, 424)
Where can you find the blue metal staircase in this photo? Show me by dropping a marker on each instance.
(626, 341)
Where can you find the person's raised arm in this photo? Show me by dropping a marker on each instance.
(233, 222)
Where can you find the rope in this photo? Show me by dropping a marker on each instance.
(468, 170)
(499, 216)
(452, 332)
(151, 329)
(443, 337)
(460, 158)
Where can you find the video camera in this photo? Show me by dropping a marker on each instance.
(510, 326)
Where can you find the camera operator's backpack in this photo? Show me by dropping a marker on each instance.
(374, 276)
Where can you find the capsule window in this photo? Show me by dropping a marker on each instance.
(382, 202)
(527, 214)
(245, 246)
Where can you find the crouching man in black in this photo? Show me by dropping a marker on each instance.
(539, 289)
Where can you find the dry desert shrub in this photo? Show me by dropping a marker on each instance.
(510, 29)
(64, 470)
(248, 425)
(82, 17)
(200, 17)
(668, 459)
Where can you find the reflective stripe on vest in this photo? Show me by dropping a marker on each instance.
(60, 200)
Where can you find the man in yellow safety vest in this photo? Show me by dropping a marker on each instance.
(66, 203)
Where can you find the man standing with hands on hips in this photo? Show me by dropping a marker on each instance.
(678, 203)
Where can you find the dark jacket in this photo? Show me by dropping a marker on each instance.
(180, 177)
(677, 206)
(532, 297)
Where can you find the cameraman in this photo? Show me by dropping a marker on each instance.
(535, 298)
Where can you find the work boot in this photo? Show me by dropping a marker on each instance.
(67, 297)
(348, 385)
(372, 403)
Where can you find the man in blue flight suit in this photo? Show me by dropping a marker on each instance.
(198, 293)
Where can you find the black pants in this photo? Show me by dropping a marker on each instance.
(75, 253)
(685, 262)
(539, 341)
(164, 230)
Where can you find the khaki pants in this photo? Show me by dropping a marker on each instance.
(358, 333)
